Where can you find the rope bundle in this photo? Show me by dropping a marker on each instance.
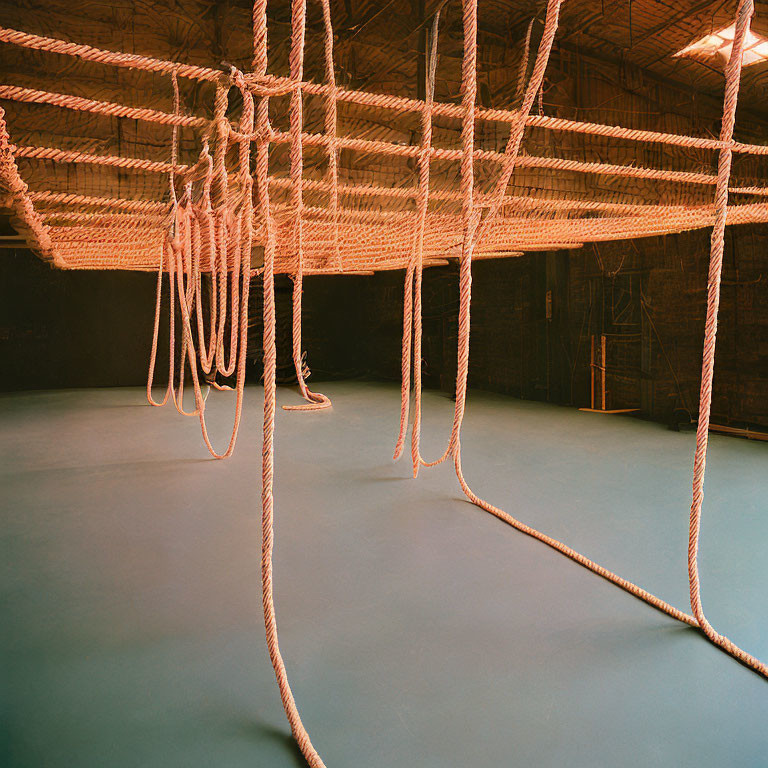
(213, 217)
(360, 227)
(212, 233)
(472, 229)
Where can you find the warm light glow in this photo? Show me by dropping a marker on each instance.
(720, 43)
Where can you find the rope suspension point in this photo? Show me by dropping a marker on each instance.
(204, 233)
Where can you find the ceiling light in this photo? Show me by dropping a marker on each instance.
(720, 44)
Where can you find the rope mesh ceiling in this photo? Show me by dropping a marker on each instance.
(360, 158)
(288, 174)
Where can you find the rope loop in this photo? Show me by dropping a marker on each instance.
(267, 86)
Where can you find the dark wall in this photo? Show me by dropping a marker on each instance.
(335, 328)
(62, 328)
(72, 329)
(533, 320)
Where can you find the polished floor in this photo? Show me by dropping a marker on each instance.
(419, 632)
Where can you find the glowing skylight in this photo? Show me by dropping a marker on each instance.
(720, 44)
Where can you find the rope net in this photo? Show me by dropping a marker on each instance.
(283, 175)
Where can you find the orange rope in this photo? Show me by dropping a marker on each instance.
(156, 328)
(357, 190)
(203, 229)
(330, 129)
(733, 78)
(19, 191)
(315, 400)
(332, 142)
(363, 98)
(454, 448)
(413, 278)
(270, 365)
(106, 108)
(209, 223)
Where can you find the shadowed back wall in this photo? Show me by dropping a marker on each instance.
(83, 329)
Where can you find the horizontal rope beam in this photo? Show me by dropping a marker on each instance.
(666, 217)
(443, 195)
(522, 161)
(67, 198)
(511, 117)
(67, 101)
(363, 98)
(113, 58)
(353, 190)
(74, 156)
(107, 108)
(105, 219)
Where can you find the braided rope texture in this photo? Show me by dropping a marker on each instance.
(471, 228)
(203, 235)
(358, 227)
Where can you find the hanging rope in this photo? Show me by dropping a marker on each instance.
(171, 266)
(732, 81)
(315, 400)
(414, 272)
(454, 447)
(270, 365)
(218, 230)
(208, 224)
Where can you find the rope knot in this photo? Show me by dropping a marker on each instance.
(237, 78)
(268, 85)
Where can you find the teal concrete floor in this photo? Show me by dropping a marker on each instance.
(418, 630)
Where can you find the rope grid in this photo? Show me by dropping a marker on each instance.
(203, 235)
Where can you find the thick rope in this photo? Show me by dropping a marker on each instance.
(315, 400)
(171, 266)
(384, 148)
(469, 214)
(106, 108)
(220, 228)
(330, 130)
(181, 229)
(211, 228)
(11, 180)
(413, 278)
(362, 98)
(156, 329)
(32, 152)
(733, 78)
(518, 129)
(270, 366)
(185, 259)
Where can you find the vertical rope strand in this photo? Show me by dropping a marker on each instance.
(159, 287)
(733, 79)
(468, 216)
(469, 90)
(707, 370)
(330, 130)
(517, 129)
(270, 365)
(412, 318)
(315, 400)
(207, 245)
(156, 329)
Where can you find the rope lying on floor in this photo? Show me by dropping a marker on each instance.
(470, 219)
(733, 77)
(209, 228)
